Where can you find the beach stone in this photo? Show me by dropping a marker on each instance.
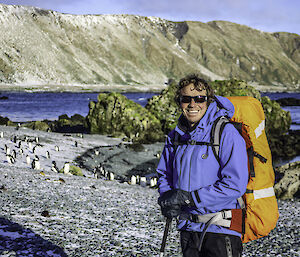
(289, 184)
(116, 115)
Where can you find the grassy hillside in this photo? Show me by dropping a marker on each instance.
(45, 47)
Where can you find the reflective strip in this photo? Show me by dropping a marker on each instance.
(263, 193)
(258, 131)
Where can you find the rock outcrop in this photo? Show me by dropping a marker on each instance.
(289, 181)
(115, 115)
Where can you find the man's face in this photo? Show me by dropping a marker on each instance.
(193, 111)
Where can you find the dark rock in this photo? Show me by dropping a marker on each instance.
(288, 101)
(74, 124)
(285, 146)
(4, 120)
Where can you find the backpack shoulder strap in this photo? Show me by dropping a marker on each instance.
(216, 133)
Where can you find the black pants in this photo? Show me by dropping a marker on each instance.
(214, 245)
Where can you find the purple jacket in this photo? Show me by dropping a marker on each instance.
(194, 168)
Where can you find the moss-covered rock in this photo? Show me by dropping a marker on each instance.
(234, 87)
(116, 115)
(278, 121)
(164, 108)
(74, 170)
(37, 125)
(4, 120)
(73, 124)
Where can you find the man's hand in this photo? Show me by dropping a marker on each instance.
(172, 201)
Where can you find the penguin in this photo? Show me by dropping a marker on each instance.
(10, 159)
(153, 182)
(19, 144)
(56, 148)
(111, 176)
(67, 168)
(133, 180)
(36, 139)
(1, 134)
(54, 167)
(34, 149)
(7, 149)
(21, 151)
(143, 181)
(47, 155)
(76, 144)
(14, 154)
(28, 159)
(36, 163)
(18, 126)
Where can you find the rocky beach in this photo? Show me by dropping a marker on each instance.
(44, 213)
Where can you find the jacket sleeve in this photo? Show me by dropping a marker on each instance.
(164, 168)
(233, 173)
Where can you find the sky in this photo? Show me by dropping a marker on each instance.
(265, 15)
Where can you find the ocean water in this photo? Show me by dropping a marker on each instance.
(25, 106)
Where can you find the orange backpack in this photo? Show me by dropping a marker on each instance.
(259, 203)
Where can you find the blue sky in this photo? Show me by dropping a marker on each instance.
(266, 15)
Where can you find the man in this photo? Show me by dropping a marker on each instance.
(192, 182)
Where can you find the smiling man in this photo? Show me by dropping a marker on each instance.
(192, 182)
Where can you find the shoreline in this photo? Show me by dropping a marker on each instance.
(98, 88)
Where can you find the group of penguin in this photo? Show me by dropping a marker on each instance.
(30, 144)
(100, 172)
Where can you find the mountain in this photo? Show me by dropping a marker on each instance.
(46, 47)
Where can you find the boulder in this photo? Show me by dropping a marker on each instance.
(278, 121)
(37, 125)
(66, 124)
(285, 146)
(289, 184)
(4, 120)
(116, 115)
(288, 101)
(234, 87)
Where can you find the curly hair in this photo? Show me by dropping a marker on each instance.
(199, 83)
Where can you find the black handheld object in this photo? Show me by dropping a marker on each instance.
(164, 240)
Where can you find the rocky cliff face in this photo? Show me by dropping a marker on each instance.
(46, 47)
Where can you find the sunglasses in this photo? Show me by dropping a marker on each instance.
(197, 99)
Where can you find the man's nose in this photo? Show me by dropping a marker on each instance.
(192, 102)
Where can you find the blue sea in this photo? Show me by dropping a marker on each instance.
(25, 106)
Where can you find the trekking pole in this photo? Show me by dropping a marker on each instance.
(164, 240)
